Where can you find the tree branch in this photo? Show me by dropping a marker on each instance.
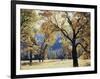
(65, 31)
(82, 47)
(56, 25)
(78, 30)
(66, 35)
(81, 27)
(61, 29)
(69, 21)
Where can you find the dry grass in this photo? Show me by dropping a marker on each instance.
(52, 64)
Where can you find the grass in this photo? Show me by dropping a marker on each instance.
(52, 64)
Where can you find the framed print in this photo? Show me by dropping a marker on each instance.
(52, 39)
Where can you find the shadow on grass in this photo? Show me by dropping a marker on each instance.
(33, 63)
(87, 64)
(37, 63)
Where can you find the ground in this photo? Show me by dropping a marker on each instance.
(52, 64)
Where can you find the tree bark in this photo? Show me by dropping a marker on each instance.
(44, 50)
(74, 54)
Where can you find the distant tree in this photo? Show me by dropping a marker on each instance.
(48, 30)
(28, 18)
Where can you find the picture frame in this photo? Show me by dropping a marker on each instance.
(18, 6)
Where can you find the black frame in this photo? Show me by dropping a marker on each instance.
(13, 38)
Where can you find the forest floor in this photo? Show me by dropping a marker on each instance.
(52, 64)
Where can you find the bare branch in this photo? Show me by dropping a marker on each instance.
(65, 31)
(82, 47)
(78, 30)
(70, 22)
(56, 21)
(56, 25)
(66, 35)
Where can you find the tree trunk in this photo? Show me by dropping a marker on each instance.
(30, 58)
(42, 53)
(44, 50)
(74, 54)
